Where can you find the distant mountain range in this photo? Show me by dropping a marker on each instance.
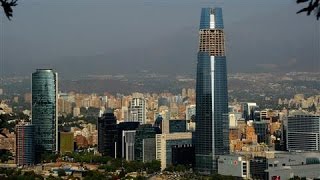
(258, 44)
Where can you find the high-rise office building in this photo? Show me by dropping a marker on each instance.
(248, 110)
(303, 133)
(211, 138)
(121, 147)
(44, 110)
(137, 109)
(128, 140)
(262, 130)
(25, 154)
(107, 134)
(145, 131)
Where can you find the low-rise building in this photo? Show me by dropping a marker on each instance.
(164, 144)
(238, 164)
(288, 165)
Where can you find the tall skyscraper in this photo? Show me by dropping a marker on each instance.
(25, 154)
(125, 143)
(44, 110)
(107, 134)
(212, 126)
(137, 109)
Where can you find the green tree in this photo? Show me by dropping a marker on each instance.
(5, 155)
(61, 172)
(94, 175)
(49, 157)
(222, 177)
(139, 177)
(313, 6)
(153, 166)
(7, 7)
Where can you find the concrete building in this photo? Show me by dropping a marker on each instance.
(137, 109)
(128, 140)
(174, 126)
(233, 165)
(25, 147)
(76, 111)
(288, 165)
(164, 144)
(66, 142)
(190, 111)
(233, 119)
(303, 133)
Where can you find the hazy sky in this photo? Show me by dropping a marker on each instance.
(125, 36)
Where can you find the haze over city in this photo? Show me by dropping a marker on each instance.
(116, 37)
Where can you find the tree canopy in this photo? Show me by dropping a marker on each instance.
(312, 7)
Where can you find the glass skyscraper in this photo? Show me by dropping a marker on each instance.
(211, 137)
(44, 110)
(107, 134)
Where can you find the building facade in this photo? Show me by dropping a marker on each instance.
(144, 131)
(107, 134)
(238, 164)
(211, 137)
(261, 128)
(174, 126)
(183, 155)
(66, 142)
(137, 109)
(148, 149)
(44, 110)
(25, 151)
(288, 165)
(248, 110)
(303, 133)
(257, 166)
(128, 140)
(120, 144)
(166, 142)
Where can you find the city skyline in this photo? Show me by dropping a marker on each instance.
(148, 112)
